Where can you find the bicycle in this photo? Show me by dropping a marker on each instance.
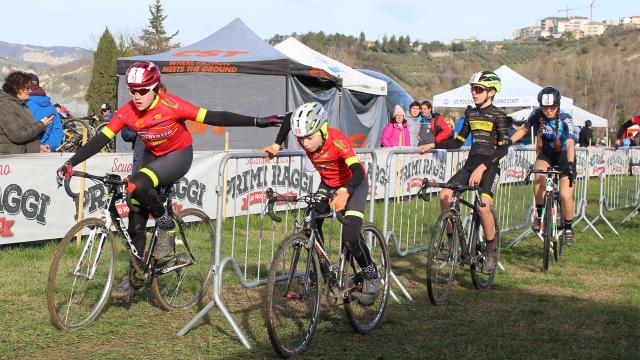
(553, 239)
(298, 269)
(83, 268)
(443, 253)
(72, 130)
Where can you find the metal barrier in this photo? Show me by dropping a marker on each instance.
(634, 169)
(619, 184)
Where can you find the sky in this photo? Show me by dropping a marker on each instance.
(81, 22)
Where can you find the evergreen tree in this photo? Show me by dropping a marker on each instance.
(103, 85)
(361, 40)
(154, 38)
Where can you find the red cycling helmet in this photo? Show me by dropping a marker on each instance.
(142, 74)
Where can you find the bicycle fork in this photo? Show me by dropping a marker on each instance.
(91, 240)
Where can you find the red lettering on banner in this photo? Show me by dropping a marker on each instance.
(259, 197)
(414, 183)
(5, 227)
(123, 209)
(358, 140)
(5, 170)
(123, 168)
(516, 174)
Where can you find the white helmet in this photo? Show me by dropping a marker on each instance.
(308, 119)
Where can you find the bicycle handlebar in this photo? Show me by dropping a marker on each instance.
(273, 198)
(109, 179)
(422, 193)
(550, 171)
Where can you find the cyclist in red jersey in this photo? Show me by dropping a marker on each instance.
(340, 169)
(623, 129)
(159, 118)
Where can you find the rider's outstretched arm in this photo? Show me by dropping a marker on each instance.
(91, 148)
(226, 118)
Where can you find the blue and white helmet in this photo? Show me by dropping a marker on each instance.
(308, 119)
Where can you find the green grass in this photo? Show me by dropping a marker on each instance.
(586, 306)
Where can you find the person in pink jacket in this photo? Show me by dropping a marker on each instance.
(396, 133)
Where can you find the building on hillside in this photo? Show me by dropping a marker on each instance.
(471, 39)
(417, 47)
(530, 32)
(576, 26)
(630, 21)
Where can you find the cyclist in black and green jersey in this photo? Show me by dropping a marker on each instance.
(488, 126)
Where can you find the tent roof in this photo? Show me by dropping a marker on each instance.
(517, 91)
(233, 48)
(579, 116)
(351, 78)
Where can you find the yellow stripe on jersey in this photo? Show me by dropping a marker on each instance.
(354, 213)
(150, 174)
(481, 125)
(155, 102)
(110, 134)
(352, 160)
(201, 113)
(460, 138)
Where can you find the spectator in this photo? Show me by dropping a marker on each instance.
(106, 112)
(40, 106)
(18, 132)
(413, 122)
(62, 111)
(586, 135)
(433, 123)
(396, 133)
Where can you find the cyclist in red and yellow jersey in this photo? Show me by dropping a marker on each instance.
(159, 118)
(623, 129)
(340, 169)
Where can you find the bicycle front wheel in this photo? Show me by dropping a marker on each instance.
(366, 318)
(549, 225)
(182, 279)
(481, 278)
(81, 275)
(441, 261)
(293, 296)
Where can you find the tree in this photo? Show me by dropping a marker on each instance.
(154, 38)
(102, 88)
(362, 40)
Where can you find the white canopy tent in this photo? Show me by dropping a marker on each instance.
(517, 91)
(579, 116)
(351, 78)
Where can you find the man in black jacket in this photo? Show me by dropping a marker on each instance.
(586, 135)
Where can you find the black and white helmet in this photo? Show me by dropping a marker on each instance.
(308, 119)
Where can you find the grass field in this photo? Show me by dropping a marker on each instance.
(586, 307)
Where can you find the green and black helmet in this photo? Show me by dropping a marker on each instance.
(488, 79)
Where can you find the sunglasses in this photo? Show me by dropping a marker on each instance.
(549, 108)
(142, 91)
(478, 89)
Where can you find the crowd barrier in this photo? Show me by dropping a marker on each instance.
(230, 187)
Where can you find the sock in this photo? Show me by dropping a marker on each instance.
(538, 210)
(567, 224)
(491, 244)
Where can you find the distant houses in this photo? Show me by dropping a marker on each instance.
(572, 26)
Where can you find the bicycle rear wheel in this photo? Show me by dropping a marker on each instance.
(75, 295)
(441, 261)
(547, 231)
(366, 318)
(293, 296)
(558, 244)
(72, 129)
(182, 279)
(480, 279)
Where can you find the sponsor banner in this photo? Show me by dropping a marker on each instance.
(597, 161)
(33, 208)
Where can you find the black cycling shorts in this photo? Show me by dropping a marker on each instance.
(355, 204)
(555, 158)
(489, 181)
(170, 167)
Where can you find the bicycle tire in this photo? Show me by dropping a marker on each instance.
(90, 301)
(72, 130)
(438, 287)
(558, 245)
(291, 323)
(479, 278)
(547, 231)
(366, 318)
(184, 287)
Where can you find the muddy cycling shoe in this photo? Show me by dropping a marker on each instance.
(535, 226)
(490, 262)
(569, 236)
(165, 222)
(165, 244)
(123, 290)
(370, 290)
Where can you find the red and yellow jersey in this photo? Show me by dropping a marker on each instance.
(332, 160)
(635, 120)
(162, 126)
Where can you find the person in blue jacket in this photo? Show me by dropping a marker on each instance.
(40, 106)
